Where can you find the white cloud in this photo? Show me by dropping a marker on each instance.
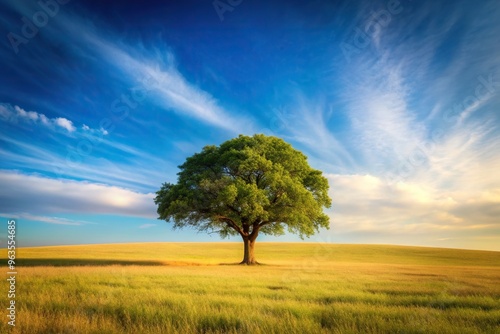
(26, 114)
(45, 121)
(15, 114)
(43, 196)
(365, 205)
(102, 131)
(420, 188)
(64, 123)
(426, 180)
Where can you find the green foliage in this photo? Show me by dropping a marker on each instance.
(247, 185)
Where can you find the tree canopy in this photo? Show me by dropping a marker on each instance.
(246, 186)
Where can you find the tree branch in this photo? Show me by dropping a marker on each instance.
(265, 223)
(213, 232)
(230, 223)
(277, 196)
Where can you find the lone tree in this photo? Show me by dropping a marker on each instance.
(245, 186)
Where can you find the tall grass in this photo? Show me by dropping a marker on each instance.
(302, 288)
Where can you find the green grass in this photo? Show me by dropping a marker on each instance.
(302, 288)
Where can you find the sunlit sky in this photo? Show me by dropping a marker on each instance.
(396, 102)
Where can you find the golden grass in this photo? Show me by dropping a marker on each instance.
(303, 288)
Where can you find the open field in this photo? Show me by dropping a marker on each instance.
(302, 288)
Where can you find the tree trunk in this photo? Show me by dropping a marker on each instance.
(248, 255)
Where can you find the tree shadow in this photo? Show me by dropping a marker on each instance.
(68, 262)
(229, 264)
(26, 262)
(243, 264)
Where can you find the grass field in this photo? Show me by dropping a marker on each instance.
(301, 288)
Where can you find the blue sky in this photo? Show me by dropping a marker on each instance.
(397, 102)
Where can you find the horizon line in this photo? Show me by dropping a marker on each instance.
(261, 242)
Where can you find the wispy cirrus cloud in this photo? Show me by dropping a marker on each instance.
(95, 168)
(306, 122)
(423, 114)
(312, 129)
(157, 71)
(47, 219)
(377, 105)
(125, 67)
(415, 94)
(441, 190)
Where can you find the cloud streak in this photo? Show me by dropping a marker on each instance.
(94, 168)
(47, 219)
(160, 77)
(16, 114)
(45, 196)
